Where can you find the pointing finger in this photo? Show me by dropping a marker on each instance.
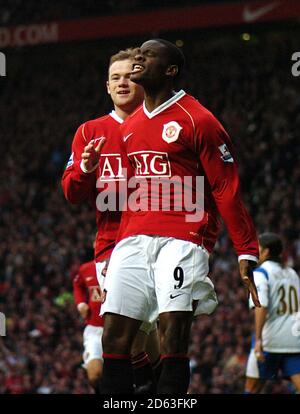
(88, 147)
(100, 145)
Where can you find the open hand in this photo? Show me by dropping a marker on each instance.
(91, 154)
(258, 351)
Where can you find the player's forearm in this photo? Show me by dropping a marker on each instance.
(260, 318)
(80, 295)
(239, 224)
(77, 185)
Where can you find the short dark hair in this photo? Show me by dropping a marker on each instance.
(122, 55)
(175, 55)
(273, 242)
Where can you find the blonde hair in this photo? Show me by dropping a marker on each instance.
(122, 55)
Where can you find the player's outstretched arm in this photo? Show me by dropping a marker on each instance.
(77, 185)
(80, 294)
(218, 159)
(246, 272)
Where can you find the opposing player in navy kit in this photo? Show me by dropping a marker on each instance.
(276, 343)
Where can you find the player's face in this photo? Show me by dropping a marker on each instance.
(124, 93)
(150, 64)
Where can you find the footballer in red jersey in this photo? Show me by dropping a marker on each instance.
(96, 158)
(87, 295)
(95, 163)
(163, 253)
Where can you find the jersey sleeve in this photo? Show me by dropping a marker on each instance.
(79, 289)
(77, 185)
(220, 167)
(262, 285)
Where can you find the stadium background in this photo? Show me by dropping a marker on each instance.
(242, 72)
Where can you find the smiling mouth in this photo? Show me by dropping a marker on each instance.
(137, 68)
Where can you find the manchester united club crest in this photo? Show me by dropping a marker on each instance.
(171, 131)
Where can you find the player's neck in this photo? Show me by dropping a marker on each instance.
(122, 113)
(155, 99)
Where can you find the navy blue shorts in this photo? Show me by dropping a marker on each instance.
(289, 364)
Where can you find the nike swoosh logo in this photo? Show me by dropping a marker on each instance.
(253, 15)
(175, 296)
(127, 136)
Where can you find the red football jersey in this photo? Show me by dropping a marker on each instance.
(182, 139)
(87, 290)
(79, 186)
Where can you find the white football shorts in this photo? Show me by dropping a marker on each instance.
(100, 277)
(92, 342)
(145, 327)
(149, 275)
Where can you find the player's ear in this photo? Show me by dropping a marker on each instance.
(267, 252)
(107, 87)
(172, 70)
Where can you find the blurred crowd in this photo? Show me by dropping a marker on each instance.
(48, 93)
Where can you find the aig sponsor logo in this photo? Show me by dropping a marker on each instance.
(95, 293)
(110, 166)
(150, 164)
